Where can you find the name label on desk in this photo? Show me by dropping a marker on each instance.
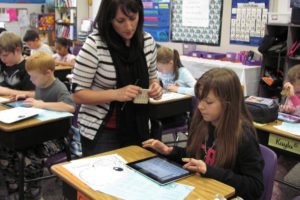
(284, 143)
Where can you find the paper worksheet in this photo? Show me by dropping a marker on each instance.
(293, 128)
(169, 96)
(109, 174)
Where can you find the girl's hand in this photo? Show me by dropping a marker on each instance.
(172, 88)
(127, 93)
(157, 146)
(34, 103)
(288, 89)
(287, 109)
(194, 165)
(155, 90)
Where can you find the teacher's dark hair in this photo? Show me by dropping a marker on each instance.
(106, 14)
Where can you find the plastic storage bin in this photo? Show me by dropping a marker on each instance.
(282, 18)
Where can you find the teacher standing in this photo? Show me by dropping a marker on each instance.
(116, 61)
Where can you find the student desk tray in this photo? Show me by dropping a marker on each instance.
(249, 75)
(174, 104)
(205, 188)
(30, 132)
(278, 138)
(61, 72)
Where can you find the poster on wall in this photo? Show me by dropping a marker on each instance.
(248, 21)
(195, 21)
(157, 19)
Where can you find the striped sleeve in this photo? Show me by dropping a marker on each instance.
(86, 64)
(150, 53)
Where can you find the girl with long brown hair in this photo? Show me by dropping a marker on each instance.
(222, 141)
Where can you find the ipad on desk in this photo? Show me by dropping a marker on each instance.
(17, 114)
(19, 103)
(159, 169)
(288, 118)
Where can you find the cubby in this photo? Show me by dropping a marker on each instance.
(275, 64)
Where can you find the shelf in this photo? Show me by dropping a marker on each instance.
(297, 58)
(65, 23)
(64, 7)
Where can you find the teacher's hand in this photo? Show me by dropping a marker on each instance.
(155, 90)
(127, 93)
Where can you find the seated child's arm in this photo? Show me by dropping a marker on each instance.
(295, 100)
(55, 106)
(4, 91)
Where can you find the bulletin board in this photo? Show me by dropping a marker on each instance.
(22, 1)
(248, 21)
(196, 21)
(157, 19)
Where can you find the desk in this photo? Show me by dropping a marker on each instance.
(167, 107)
(280, 139)
(61, 72)
(249, 75)
(30, 132)
(205, 188)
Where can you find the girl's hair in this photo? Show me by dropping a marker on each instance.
(106, 14)
(226, 86)
(65, 43)
(165, 55)
(294, 74)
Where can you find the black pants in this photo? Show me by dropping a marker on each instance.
(107, 140)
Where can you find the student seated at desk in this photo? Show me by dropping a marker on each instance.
(34, 42)
(50, 92)
(222, 143)
(63, 56)
(173, 75)
(14, 79)
(291, 90)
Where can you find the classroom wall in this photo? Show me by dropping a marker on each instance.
(83, 12)
(225, 46)
(15, 26)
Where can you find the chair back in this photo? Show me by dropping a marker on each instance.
(269, 171)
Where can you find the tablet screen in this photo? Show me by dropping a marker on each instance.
(159, 169)
(19, 103)
(288, 118)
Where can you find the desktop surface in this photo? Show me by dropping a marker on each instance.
(205, 188)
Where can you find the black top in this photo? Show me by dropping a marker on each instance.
(247, 174)
(15, 77)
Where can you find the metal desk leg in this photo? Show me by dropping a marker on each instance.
(156, 129)
(67, 147)
(21, 175)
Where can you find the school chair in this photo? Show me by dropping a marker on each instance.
(73, 145)
(182, 126)
(296, 198)
(270, 159)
